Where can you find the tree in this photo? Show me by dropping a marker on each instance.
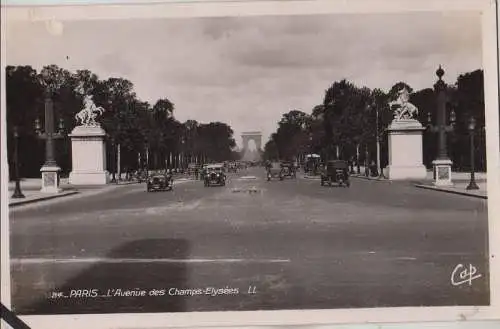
(159, 135)
(425, 101)
(271, 149)
(318, 111)
(191, 139)
(346, 119)
(131, 123)
(468, 101)
(393, 92)
(216, 140)
(290, 138)
(24, 98)
(24, 94)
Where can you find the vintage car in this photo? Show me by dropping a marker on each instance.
(215, 175)
(232, 167)
(312, 164)
(160, 181)
(335, 171)
(274, 170)
(203, 171)
(288, 169)
(141, 176)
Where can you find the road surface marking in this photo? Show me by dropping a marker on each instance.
(183, 180)
(247, 177)
(27, 261)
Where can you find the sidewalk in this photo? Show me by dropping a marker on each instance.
(459, 187)
(30, 188)
(460, 182)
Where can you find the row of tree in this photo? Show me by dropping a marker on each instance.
(345, 126)
(140, 130)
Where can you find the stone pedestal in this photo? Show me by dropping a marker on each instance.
(50, 179)
(88, 156)
(442, 172)
(405, 150)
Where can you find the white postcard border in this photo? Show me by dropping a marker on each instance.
(240, 8)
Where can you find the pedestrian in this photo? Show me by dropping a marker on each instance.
(374, 169)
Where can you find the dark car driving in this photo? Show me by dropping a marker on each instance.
(274, 170)
(215, 175)
(160, 182)
(288, 169)
(336, 171)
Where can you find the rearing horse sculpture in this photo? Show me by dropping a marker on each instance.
(404, 109)
(87, 116)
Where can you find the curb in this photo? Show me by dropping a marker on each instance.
(427, 187)
(71, 191)
(124, 183)
(48, 197)
(376, 179)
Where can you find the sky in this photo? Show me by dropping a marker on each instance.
(249, 71)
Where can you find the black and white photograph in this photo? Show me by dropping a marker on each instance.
(273, 162)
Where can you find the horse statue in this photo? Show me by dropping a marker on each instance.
(87, 116)
(404, 109)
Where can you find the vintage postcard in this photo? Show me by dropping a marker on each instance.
(250, 163)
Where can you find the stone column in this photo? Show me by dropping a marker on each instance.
(89, 156)
(50, 179)
(405, 150)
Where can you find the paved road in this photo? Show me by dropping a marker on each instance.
(293, 244)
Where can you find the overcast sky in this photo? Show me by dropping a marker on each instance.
(248, 71)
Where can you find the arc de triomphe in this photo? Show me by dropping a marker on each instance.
(256, 136)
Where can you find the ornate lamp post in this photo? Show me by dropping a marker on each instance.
(472, 184)
(442, 164)
(50, 170)
(17, 191)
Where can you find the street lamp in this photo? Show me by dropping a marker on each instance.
(50, 170)
(358, 165)
(442, 163)
(113, 156)
(377, 138)
(307, 164)
(367, 163)
(17, 191)
(182, 155)
(472, 184)
(146, 148)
